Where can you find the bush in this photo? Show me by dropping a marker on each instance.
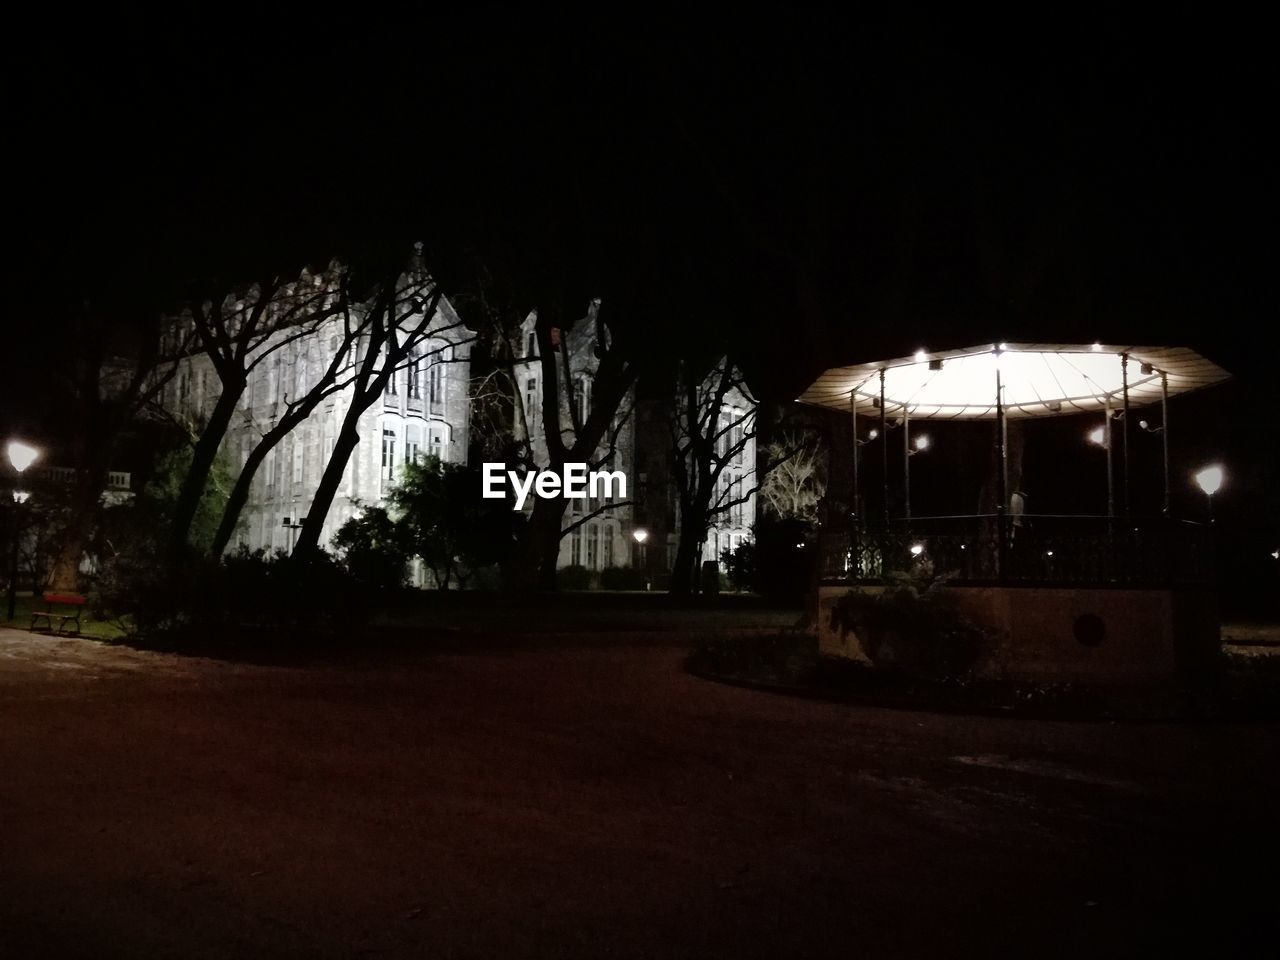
(740, 566)
(373, 549)
(623, 578)
(575, 577)
(204, 599)
(912, 629)
(782, 558)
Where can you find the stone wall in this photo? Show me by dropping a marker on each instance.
(1060, 634)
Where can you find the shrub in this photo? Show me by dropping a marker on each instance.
(373, 548)
(740, 565)
(913, 629)
(623, 578)
(575, 577)
(204, 599)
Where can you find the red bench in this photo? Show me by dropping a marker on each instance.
(68, 599)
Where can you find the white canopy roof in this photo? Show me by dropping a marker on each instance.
(1038, 380)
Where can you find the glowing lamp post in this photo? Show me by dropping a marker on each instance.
(640, 535)
(21, 456)
(1210, 481)
(909, 450)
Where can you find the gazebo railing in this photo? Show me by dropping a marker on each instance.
(1083, 551)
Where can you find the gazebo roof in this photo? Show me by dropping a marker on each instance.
(1038, 379)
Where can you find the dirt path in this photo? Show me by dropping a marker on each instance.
(587, 798)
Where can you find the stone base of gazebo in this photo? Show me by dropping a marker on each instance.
(1080, 635)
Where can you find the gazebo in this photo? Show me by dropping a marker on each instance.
(1015, 569)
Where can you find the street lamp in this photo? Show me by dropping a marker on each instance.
(920, 444)
(21, 455)
(640, 535)
(1210, 480)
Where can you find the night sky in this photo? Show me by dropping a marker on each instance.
(810, 190)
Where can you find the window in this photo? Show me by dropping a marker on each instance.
(388, 454)
(436, 438)
(270, 473)
(413, 376)
(531, 345)
(299, 455)
(435, 382)
(301, 375)
(591, 546)
(606, 546)
(411, 448)
(530, 396)
(575, 547)
(582, 391)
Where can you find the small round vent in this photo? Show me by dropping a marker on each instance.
(1089, 629)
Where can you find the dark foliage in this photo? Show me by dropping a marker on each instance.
(782, 558)
(373, 549)
(574, 577)
(623, 578)
(912, 629)
(740, 565)
(228, 600)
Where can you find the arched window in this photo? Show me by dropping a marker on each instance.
(413, 376)
(435, 382)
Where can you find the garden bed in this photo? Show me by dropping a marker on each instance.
(1246, 688)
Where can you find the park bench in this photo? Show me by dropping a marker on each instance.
(73, 600)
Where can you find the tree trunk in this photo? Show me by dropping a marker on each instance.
(239, 497)
(535, 564)
(684, 570)
(348, 439)
(202, 459)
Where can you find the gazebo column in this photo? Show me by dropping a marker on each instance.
(884, 451)
(853, 417)
(1124, 431)
(1164, 435)
(1111, 473)
(906, 463)
(1002, 479)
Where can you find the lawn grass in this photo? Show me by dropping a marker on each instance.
(89, 627)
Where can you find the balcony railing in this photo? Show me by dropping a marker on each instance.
(1034, 549)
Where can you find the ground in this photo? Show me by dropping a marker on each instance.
(580, 795)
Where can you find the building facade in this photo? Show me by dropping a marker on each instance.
(424, 411)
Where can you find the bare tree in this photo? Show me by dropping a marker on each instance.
(238, 331)
(714, 422)
(336, 376)
(401, 316)
(575, 429)
(794, 487)
(706, 439)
